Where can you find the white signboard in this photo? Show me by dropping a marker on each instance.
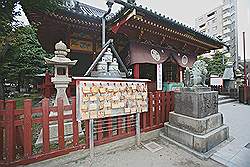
(159, 76)
(216, 81)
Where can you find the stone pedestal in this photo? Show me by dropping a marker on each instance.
(196, 122)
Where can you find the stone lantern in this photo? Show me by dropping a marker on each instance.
(61, 78)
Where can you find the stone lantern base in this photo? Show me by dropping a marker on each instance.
(53, 132)
(196, 123)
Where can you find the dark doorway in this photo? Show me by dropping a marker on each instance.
(82, 65)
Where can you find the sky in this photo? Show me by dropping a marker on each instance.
(186, 11)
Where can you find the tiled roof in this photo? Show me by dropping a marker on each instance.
(80, 9)
(171, 22)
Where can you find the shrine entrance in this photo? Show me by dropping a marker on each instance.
(84, 62)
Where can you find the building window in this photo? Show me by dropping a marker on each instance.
(214, 20)
(202, 25)
(170, 72)
(210, 14)
(148, 71)
(215, 28)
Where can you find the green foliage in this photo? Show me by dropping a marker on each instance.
(8, 12)
(41, 5)
(6, 17)
(215, 64)
(26, 56)
(21, 56)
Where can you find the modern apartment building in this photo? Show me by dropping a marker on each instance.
(211, 23)
(221, 22)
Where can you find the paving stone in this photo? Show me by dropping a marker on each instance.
(242, 159)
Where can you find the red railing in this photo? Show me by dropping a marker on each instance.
(244, 94)
(18, 128)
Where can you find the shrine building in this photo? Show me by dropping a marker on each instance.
(142, 37)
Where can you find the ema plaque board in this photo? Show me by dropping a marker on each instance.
(100, 99)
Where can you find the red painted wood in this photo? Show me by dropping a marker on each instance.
(75, 123)
(150, 105)
(163, 107)
(1, 130)
(172, 100)
(68, 91)
(37, 110)
(46, 85)
(146, 119)
(157, 107)
(27, 128)
(109, 125)
(10, 131)
(86, 123)
(99, 130)
(168, 107)
(41, 157)
(114, 138)
(45, 108)
(119, 125)
(61, 142)
(136, 71)
(128, 124)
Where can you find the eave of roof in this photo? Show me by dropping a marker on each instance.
(81, 12)
(170, 22)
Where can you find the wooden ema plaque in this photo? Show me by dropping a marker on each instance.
(100, 99)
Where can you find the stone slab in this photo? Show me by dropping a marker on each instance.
(196, 104)
(199, 143)
(179, 135)
(204, 143)
(203, 156)
(53, 132)
(196, 125)
(195, 89)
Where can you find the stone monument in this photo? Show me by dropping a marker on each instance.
(229, 77)
(196, 123)
(61, 80)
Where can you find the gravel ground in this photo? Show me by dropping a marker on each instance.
(169, 156)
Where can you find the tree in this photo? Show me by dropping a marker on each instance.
(6, 18)
(215, 64)
(8, 30)
(27, 57)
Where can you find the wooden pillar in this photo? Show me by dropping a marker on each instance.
(136, 71)
(46, 87)
(27, 128)
(10, 131)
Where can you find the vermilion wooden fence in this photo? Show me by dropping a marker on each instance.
(246, 96)
(17, 128)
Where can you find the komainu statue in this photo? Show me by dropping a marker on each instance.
(196, 76)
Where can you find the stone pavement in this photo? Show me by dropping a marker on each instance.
(225, 99)
(235, 154)
(169, 156)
